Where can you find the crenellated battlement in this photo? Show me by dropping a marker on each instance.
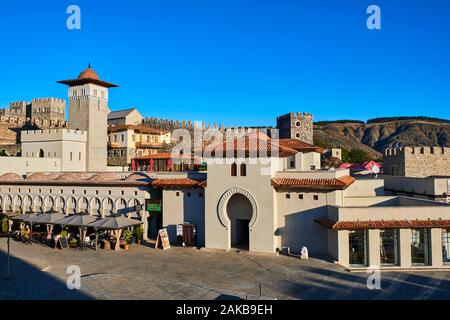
(295, 115)
(296, 125)
(167, 124)
(417, 161)
(49, 100)
(53, 134)
(417, 151)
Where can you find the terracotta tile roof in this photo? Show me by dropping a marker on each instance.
(299, 145)
(251, 144)
(176, 183)
(313, 184)
(383, 224)
(71, 179)
(10, 176)
(88, 74)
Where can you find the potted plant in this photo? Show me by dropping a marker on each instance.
(63, 234)
(127, 236)
(73, 243)
(138, 232)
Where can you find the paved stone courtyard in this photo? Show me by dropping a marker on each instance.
(142, 272)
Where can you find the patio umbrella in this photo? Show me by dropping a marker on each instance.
(116, 223)
(80, 220)
(49, 218)
(27, 217)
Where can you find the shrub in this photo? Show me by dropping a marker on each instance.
(5, 225)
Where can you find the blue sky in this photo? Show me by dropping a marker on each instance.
(236, 62)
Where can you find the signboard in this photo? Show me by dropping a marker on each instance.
(154, 206)
(63, 243)
(162, 240)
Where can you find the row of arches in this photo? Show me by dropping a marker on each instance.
(69, 205)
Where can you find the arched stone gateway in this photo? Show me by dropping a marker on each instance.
(222, 207)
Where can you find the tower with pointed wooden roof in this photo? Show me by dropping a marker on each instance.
(88, 111)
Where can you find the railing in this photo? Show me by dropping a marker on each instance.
(149, 144)
(113, 145)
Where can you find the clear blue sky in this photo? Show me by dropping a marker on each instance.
(236, 62)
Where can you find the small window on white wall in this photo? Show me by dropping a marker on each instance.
(70, 155)
(79, 156)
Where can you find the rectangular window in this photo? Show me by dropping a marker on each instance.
(135, 193)
(357, 247)
(122, 192)
(446, 245)
(177, 194)
(70, 155)
(316, 197)
(79, 156)
(420, 246)
(300, 196)
(288, 196)
(313, 168)
(188, 194)
(389, 247)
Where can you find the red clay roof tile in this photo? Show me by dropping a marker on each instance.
(314, 184)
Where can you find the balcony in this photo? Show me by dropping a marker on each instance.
(113, 145)
(149, 144)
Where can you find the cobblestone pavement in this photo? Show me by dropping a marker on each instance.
(142, 272)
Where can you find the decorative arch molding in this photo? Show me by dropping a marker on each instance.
(222, 206)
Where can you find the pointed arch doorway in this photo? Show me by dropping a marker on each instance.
(239, 211)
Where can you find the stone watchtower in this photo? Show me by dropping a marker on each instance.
(88, 111)
(296, 125)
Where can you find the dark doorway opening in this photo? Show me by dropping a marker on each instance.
(239, 211)
(41, 153)
(241, 239)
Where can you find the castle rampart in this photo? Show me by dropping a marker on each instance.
(417, 161)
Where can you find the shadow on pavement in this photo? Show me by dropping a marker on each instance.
(29, 283)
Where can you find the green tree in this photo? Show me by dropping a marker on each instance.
(355, 156)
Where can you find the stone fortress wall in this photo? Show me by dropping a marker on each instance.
(43, 113)
(417, 161)
(296, 125)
